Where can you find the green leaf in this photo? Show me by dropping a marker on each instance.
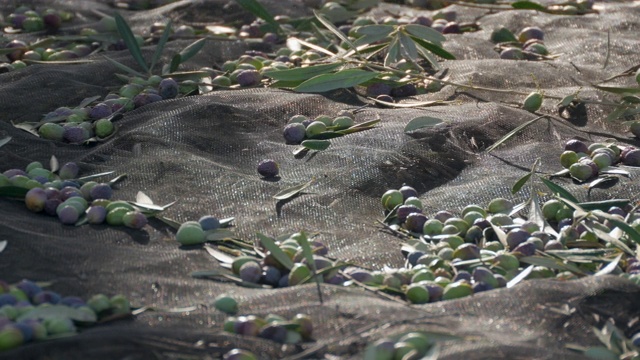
(339, 80)
(219, 255)
(535, 212)
(285, 84)
(160, 46)
(551, 263)
(615, 171)
(425, 33)
(527, 5)
(501, 235)
(421, 122)
(434, 48)
(428, 55)
(302, 73)
(604, 205)
(4, 141)
(393, 52)
(275, 250)
(520, 183)
(95, 176)
(13, 191)
(410, 51)
(3, 245)
(292, 191)
(513, 132)
(132, 44)
(557, 189)
(124, 67)
(191, 50)
(523, 274)
(628, 229)
(86, 102)
(318, 145)
(218, 234)
(334, 30)
(372, 33)
(567, 100)
(175, 62)
(308, 255)
(610, 267)
(28, 127)
(618, 90)
(258, 10)
(59, 311)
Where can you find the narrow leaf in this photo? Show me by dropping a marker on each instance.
(425, 33)
(191, 50)
(175, 62)
(312, 46)
(129, 39)
(411, 105)
(4, 141)
(421, 122)
(218, 255)
(302, 73)
(434, 48)
(95, 176)
(160, 46)
(557, 189)
(124, 67)
(428, 55)
(13, 191)
(334, 29)
(523, 274)
(567, 100)
(143, 198)
(258, 10)
(28, 127)
(610, 267)
(318, 145)
(628, 229)
(277, 253)
(604, 205)
(218, 234)
(308, 255)
(513, 132)
(3, 245)
(520, 183)
(527, 5)
(226, 222)
(535, 212)
(502, 237)
(292, 191)
(372, 33)
(86, 102)
(393, 52)
(409, 47)
(615, 171)
(339, 80)
(551, 263)
(149, 207)
(58, 311)
(618, 90)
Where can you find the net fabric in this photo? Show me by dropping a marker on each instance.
(202, 151)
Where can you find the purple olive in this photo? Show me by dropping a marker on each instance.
(404, 210)
(101, 191)
(249, 78)
(376, 89)
(275, 332)
(16, 55)
(134, 220)
(168, 88)
(69, 170)
(100, 111)
(96, 214)
(72, 301)
(526, 249)
(408, 191)
(145, 99)
(414, 221)
(516, 237)
(404, 90)
(29, 287)
(511, 54)
(631, 157)
(268, 168)
(250, 272)
(531, 32)
(46, 296)
(576, 146)
(35, 199)
(68, 215)
(294, 133)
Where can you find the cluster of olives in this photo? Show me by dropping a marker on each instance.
(441, 266)
(29, 20)
(528, 45)
(301, 127)
(22, 319)
(585, 162)
(412, 345)
(195, 232)
(247, 70)
(79, 125)
(271, 271)
(572, 7)
(272, 327)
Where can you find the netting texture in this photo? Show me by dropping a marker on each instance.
(202, 151)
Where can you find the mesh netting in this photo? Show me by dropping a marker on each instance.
(202, 151)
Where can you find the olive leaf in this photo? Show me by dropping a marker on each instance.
(292, 191)
(123, 67)
(513, 132)
(615, 171)
(226, 222)
(4, 141)
(218, 234)
(407, 47)
(628, 229)
(372, 33)
(95, 176)
(334, 30)
(130, 41)
(54, 165)
(142, 198)
(303, 241)
(191, 50)
(552, 264)
(557, 189)
(338, 80)
(425, 33)
(302, 73)
(527, 5)
(602, 183)
(275, 251)
(28, 127)
(160, 46)
(218, 255)
(57, 311)
(421, 122)
(502, 236)
(523, 274)
(3, 245)
(566, 100)
(610, 267)
(434, 49)
(86, 102)
(317, 145)
(618, 90)
(520, 183)
(393, 52)
(13, 191)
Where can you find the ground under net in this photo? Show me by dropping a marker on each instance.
(202, 151)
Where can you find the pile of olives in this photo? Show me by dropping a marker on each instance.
(195, 232)
(29, 20)
(272, 327)
(450, 256)
(586, 162)
(30, 313)
(301, 127)
(528, 45)
(412, 345)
